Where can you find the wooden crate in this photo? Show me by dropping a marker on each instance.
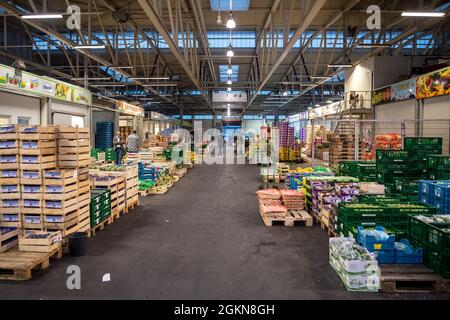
(61, 206)
(37, 147)
(11, 149)
(9, 191)
(36, 132)
(83, 174)
(9, 132)
(6, 205)
(17, 265)
(8, 239)
(32, 221)
(32, 191)
(10, 177)
(11, 219)
(72, 133)
(31, 177)
(31, 206)
(37, 162)
(60, 222)
(9, 162)
(48, 244)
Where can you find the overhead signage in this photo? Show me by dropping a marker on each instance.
(229, 97)
(433, 84)
(130, 109)
(158, 116)
(28, 82)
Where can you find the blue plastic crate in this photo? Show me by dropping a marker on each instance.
(442, 191)
(386, 256)
(372, 244)
(403, 257)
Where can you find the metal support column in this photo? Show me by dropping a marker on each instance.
(313, 161)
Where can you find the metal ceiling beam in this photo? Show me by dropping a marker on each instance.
(160, 27)
(69, 43)
(306, 22)
(316, 34)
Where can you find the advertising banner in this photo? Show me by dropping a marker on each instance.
(28, 82)
(433, 84)
(130, 109)
(404, 90)
(382, 95)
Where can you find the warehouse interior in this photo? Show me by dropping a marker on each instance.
(224, 149)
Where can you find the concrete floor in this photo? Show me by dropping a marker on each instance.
(204, 239)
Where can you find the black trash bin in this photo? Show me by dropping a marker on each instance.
(77, 244)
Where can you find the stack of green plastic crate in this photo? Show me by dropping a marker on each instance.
(100, 206)
(419, 149)
(392, 164)
(389, 212)
(94, 153)
(407, 188)
(110, 155)
(432, 233)
(363, 170)
(438, 167)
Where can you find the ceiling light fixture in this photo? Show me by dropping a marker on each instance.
(231, 24)
(319, 78)
(317, 105)
(121, 67)
(107, 85)
(228, 89)
(90, 79)
(230, 71)
(229, 82)
(89, 47)
(424, 14)
(152, 78)
(285, 93)
(373, 45)
(42, 16)
(329, 101)
(340, 65)
(230, 52)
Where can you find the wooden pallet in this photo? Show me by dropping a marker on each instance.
(17, 265)
(411, 278)
(101, 225)
(132, 205)
(290, 220)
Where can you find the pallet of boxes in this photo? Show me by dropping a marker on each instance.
(45, 194)
(285, 207)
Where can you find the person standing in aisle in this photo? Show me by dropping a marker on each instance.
(118, 148)
(133, 142)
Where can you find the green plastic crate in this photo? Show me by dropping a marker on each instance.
(405, 185)
(438, 262)
(399, 212)
(358, 213)
(422, 143)
(438, 238)
(382, 155)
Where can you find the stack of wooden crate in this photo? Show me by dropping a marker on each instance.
(131, 187)
(37, 153)
(9, 177)
(343, 147)
(74, 154)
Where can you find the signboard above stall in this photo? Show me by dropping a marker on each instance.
(158, 116)
(130, 109)
(229, 97)
(22, 81)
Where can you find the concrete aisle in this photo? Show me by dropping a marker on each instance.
(204, 239)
